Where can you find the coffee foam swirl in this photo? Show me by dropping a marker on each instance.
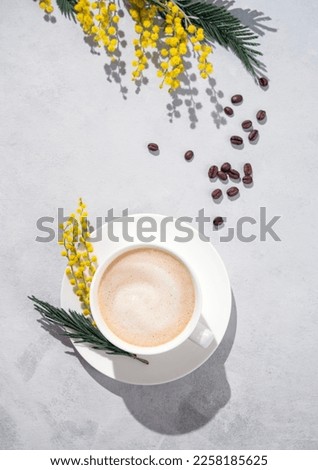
(146, 297)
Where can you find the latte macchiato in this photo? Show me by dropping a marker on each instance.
(146, 297)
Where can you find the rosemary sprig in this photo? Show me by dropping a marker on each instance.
(79, 328)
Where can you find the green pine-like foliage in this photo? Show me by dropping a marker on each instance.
(221, 26)
(78, 328)
(67, 7)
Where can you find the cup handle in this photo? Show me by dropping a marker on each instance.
(202, 336)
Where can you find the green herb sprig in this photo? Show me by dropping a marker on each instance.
(221, 26)
(67, 8)
(79, 328)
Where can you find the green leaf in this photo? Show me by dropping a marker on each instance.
(78, 328)
(220, 25)
(67, 8)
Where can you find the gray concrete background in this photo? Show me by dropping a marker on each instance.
(67, 132)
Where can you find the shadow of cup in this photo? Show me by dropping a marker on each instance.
(183, 405)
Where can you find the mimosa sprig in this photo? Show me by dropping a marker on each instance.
(168, 31)
(81, 267)
(81, 262)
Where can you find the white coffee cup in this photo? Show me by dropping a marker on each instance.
(194, 330)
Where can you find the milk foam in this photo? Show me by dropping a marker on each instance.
(146, 297)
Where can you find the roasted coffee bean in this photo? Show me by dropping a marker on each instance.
(228, 111)
(263, 82)
(234, 174)
(236, 99)
(189, 155)
(253, 135)
(261, 115)
(248, 171)
(213, 171)
(231, 192)
(216, 194)
(218, 221)
(153, 147)
(236, 140)
(246, 124)
(226, 167)
(222, 175)
(247, 179)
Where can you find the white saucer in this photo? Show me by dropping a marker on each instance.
(216, 303)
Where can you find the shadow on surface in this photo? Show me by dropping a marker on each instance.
(186, 98)
(56, 332)
(254, 19)
(184, 405)
(115, 67)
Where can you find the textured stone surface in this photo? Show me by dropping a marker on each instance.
(67, 131)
